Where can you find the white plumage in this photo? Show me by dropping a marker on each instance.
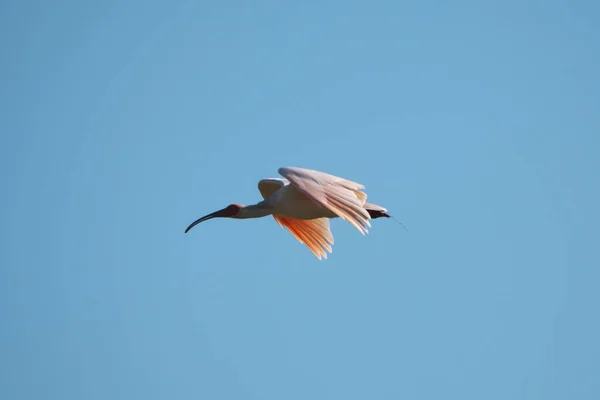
(304, 201)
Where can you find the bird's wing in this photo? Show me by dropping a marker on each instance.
(340, 196)
(269, 186)
(314, 233)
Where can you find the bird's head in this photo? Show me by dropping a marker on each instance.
(231, 211)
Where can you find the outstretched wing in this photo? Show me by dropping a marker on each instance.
(340, 196)
(269, 186)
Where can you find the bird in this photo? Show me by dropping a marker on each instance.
(303, 202)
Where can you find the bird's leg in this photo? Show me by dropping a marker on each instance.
(374, 214)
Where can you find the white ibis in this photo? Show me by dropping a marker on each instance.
(303, 202)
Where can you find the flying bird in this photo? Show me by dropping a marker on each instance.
(303, 202)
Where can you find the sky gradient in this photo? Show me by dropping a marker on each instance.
(475, 123)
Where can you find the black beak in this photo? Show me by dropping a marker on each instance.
(216, 214)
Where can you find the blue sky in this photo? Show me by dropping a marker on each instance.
(474, 123)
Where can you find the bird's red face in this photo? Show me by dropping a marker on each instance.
(231, 210)
(228, 212)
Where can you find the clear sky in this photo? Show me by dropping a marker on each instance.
(475, 123)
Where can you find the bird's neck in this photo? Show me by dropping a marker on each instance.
(254, 211)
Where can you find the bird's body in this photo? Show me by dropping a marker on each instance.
(303, 202)
(289, 201)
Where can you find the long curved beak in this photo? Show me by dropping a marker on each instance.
(216, 214)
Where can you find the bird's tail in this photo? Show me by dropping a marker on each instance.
(376, 211)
